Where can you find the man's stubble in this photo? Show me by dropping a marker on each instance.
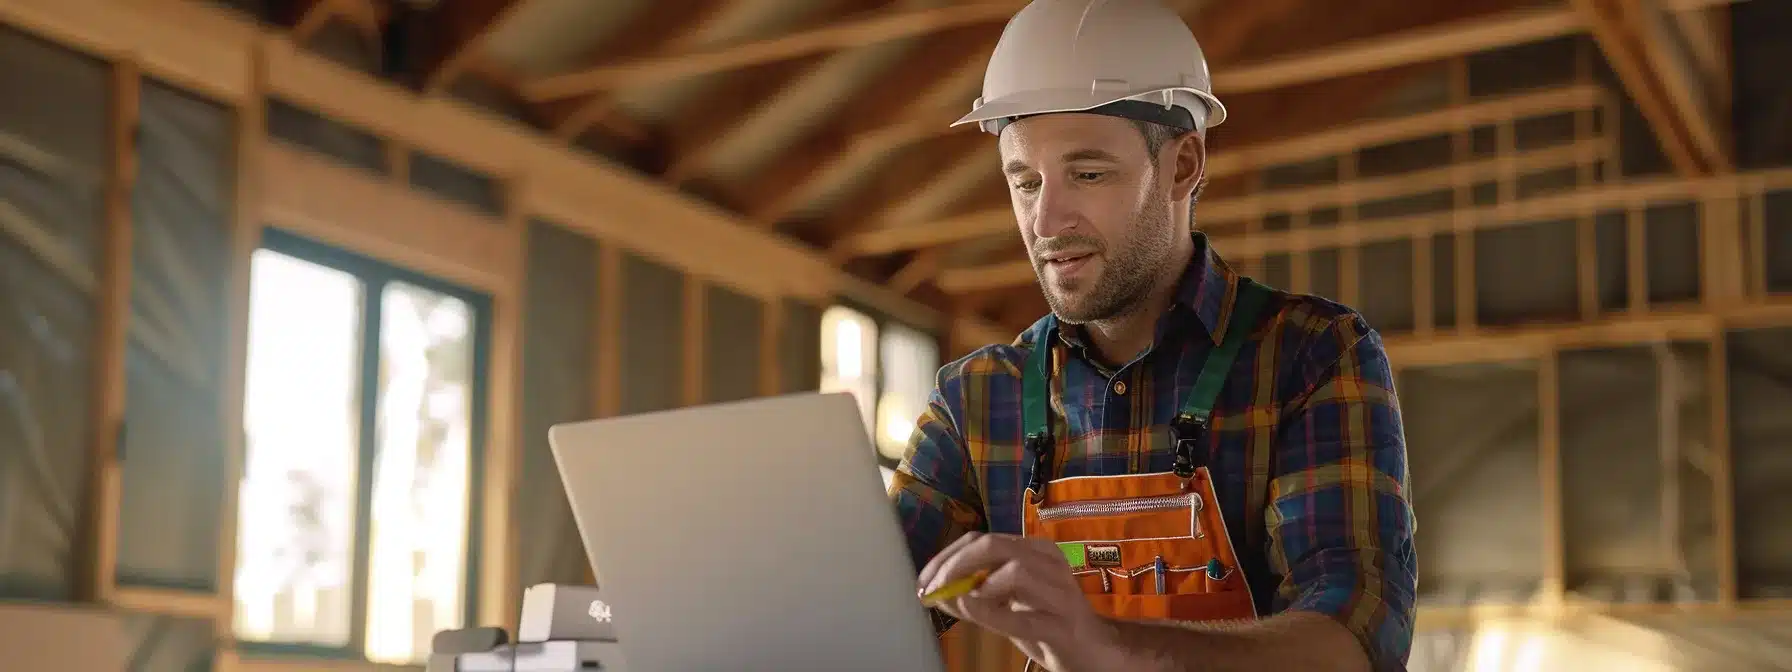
(1129, 273)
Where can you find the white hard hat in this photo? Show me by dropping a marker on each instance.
(1127, 58)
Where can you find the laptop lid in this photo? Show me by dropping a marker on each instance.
(752, 535)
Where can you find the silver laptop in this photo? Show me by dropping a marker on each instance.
(750, 535)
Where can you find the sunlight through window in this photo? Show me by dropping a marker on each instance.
(848, 358)
(910, 360)
(335, 438)
(296, 508)
(420, 510)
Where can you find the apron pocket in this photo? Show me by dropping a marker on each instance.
(1130, 567)
(1231, 605)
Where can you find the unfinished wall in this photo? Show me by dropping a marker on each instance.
(560, 355)
(1760, 372)
(174, 475)
(53, 167)
(566, 336)
(1473, 437)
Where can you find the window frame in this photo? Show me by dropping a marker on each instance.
(882, 322)
(374, 275)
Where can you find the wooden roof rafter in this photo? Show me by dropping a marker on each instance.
(1675, 65)
(902, 108)
(450, 37)
(648, 33)
(878, 26)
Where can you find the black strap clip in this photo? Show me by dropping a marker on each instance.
(1040, 445)
(1185, 434)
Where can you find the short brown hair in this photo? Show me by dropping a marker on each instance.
(1158, 135)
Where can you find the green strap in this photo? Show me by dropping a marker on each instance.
(1198, 406)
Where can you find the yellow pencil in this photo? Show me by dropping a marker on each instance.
(954, 589)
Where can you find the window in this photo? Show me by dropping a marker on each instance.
(364, 418)
(910, 361)
(890, 371)
(849, 357)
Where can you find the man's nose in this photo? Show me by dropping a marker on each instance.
(1054, 211)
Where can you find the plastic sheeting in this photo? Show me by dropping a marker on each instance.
(1760, 371)
(1639, 522)
(53, 160)
(801, 348)
(1611, 254)
(1443, 280)
(1777, 227)
(303, 128)
(1526, 273)
(559, 358)
(1386, 287)
(173, 476)
(1472, 439)
(1672, 233)
(444, 179)
(732, 334)
(168, 644)
(652, 336)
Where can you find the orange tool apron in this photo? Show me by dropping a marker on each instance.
(1144, 546)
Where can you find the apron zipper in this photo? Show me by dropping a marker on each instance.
(1114, 507)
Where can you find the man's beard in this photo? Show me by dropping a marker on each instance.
(1129, 270)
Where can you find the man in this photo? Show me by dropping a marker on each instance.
(1178, 469)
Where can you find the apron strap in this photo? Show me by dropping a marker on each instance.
(1191, 419)
(1197, 408)
(1035, 401)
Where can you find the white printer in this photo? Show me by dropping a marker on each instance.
(563, 629)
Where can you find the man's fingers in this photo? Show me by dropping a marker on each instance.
(1017, 624)
(986, 551)
(925, 579)
(1011, 604)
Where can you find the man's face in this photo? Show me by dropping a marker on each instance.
(1093, 211)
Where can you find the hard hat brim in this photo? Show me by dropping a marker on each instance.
(1028, 103)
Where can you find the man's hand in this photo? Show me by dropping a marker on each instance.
(1031, 598)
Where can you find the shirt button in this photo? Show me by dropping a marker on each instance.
(1120, 387)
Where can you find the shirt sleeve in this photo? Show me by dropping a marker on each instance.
(1339, 519)
(934, 488)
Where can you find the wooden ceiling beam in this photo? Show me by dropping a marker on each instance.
(1233, 161)
(449, 36)
(904, 106)
(661, 27)
(917, 270)
(303, 18)
(1647, 47)
(679, 63)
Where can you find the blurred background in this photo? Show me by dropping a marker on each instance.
(291, 290)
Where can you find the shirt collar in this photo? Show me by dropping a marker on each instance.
(1208, 290)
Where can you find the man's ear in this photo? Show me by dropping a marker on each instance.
(1190, 160)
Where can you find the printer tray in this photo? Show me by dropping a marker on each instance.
(561, 656)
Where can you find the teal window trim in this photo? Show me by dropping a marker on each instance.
(376, 275)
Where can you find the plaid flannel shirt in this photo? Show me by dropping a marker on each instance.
(1306, 449)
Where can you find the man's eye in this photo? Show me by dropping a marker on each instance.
(1028, 185)
(1088, 176)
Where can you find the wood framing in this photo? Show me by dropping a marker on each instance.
(452, 37)
(882, 27)
(1241, 160)
(1646, 46)
(232, 60)
(1563, 205)
(209, 50)
(98, 538)
(245, 238)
